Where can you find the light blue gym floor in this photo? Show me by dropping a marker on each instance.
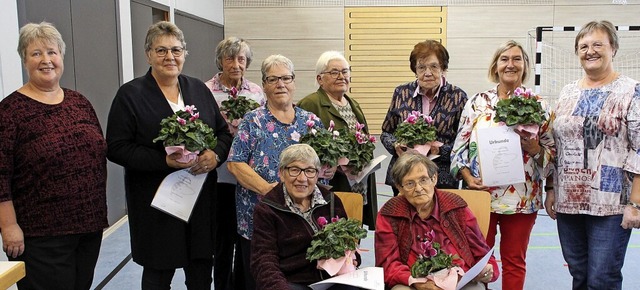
(546, 268)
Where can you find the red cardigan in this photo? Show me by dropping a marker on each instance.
(393, 238)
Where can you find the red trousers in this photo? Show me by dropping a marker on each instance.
(515, 230)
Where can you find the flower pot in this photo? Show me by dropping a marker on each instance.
(343, 161)
(187, 156)
(530, 130)
(339, 266)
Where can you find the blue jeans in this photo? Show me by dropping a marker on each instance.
(594, 248)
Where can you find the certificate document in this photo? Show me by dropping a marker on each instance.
(365, 278)
(500, 156)
(178, 192)
(474, 271)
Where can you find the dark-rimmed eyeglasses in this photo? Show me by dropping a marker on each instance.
(308, 172)
(335, 73)
(162, 51)
(423, 181)
(287, 79)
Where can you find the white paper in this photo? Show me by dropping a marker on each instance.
(371, 167)
(474, 271)
(178, 192)
(365, 278)
(500, 156)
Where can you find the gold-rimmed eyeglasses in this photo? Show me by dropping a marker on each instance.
(596, 46)
(162, 51)
(432, 67)
(308, 172)
(423, 181)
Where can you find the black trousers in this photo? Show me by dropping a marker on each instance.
(225, 236)
(197, 276)
(60, 262)
(243, 279)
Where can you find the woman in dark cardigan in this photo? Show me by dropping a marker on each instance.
(331, 103)
(160, 242)
(285, 221)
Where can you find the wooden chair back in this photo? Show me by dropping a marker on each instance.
(352, 203)
(479, 203)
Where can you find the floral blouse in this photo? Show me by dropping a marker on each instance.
(597, 133)
(506, 199)
(259, 141)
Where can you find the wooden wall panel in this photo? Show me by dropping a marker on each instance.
(378, 41)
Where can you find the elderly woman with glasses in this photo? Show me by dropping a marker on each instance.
(233, 57)
(160, 242)
(596, 198)
(285, 221)
(430, 94)
(331, 103)
(262, 135)
(419, 209)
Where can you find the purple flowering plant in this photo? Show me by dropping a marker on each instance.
(360, 148)
(416, 129)
(335, 238)
(236, 106)
(186, 128)
(326, 142)
(432, 259)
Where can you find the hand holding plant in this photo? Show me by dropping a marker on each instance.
(417, 131)
(185, 132)
(335, 244)
(361, 147)
(326, 142)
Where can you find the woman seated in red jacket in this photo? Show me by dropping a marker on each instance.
(286, 219)
(419, 209)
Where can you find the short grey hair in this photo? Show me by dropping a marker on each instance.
(493, 68)
(44, 32)
(273, 60)
(326, 57)
(232, 46)
(160, 29)
(406, 162)
(298, 152)
(604, 26)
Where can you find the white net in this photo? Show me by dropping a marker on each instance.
(560, 65)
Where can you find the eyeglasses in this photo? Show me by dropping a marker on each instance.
(162, 51)
(433, 68)
(596, 46)
(335, 73)
(423, 181)
(287, 79)
(308, 172)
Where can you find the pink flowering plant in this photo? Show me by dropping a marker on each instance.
(334, 239)
(360, 148)
(326, 142)
(432, 259)
(185, 128)
(236, 106)
(522, 108)
(417, 129)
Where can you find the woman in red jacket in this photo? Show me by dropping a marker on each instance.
(419, 209)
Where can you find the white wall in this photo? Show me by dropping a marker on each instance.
(10, 66)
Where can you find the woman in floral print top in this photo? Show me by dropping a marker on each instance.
(513, 207)
(261, 136)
